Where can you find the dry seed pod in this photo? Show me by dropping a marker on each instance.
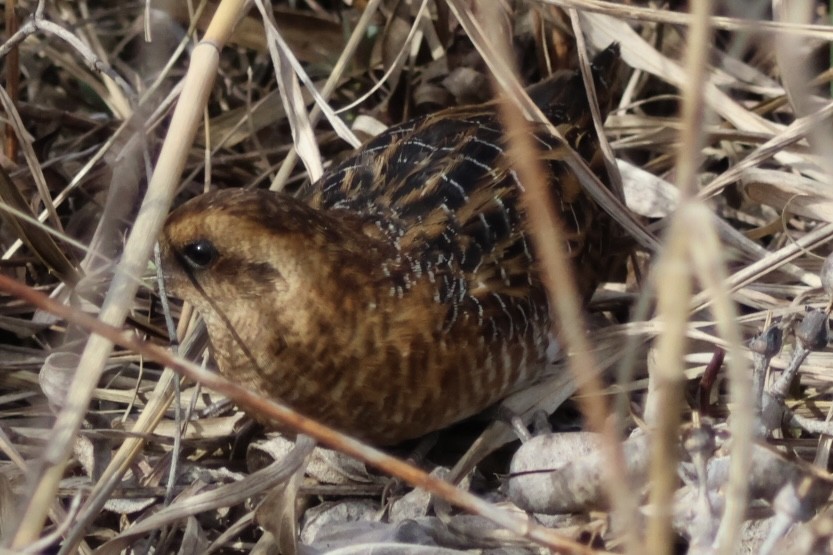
(768, 342)
(813, 331)
(826, 276)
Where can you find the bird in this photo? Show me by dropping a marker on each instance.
(399, 293)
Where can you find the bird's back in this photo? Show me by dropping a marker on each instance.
(443, 191)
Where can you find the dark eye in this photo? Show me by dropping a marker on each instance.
(200, 254)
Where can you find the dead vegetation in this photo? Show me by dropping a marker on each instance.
(721, 138)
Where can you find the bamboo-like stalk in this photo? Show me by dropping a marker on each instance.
(663, 411)
(664, 402)
(186, 118)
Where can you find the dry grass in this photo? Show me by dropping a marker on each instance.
(112, 114)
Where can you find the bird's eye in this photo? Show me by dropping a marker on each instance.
(200, 254)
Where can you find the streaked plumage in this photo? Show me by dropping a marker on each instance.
(398, 294)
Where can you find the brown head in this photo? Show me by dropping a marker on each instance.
(235, 245)
(266, 273)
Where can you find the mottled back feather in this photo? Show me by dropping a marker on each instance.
(443, 190)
